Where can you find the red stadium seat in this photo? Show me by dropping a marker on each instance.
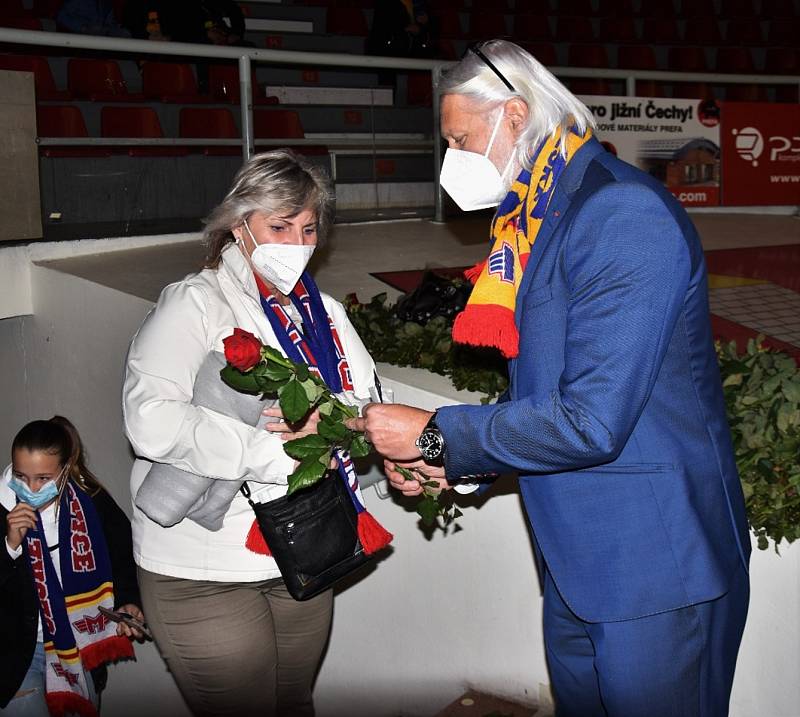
(487, 25)
(589, 86)
(657, 8)
(575, 8)
(529, 27)
(702, 31)
(697, 8)
(783, 32)
(744, 31)
(448, 20)
(735, 59)
(637, 57)
(616, 8)
(282, 124)
(65, 121)
(650, 88)
(498, 6)
(420, 89)
(171, 82)
(136, 122)
(782, 61)
(660, 31)
(98, 81)
(771, 9)
(14, 8)
(574, 29)
(619, 30)
(687, 59)
(737, 8)
(746, 93)
(204, 123)
(277, 124)
(346, 21)
(42, 76)
(587, 56)
(46, 8)
(544, 52)
(21, 22)
(692, 90)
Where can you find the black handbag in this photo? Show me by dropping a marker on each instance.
(312, 534)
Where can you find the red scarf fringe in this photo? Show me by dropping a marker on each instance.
(111, 649)
(61, 703)
(255, 540)
(371, 533)
(474, 272)
(487, 325)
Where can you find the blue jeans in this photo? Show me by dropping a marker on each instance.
(29, 700)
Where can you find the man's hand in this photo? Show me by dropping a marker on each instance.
(19, 520)
(421, 471)
(392, 428)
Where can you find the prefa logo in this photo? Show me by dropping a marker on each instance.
(750, 146)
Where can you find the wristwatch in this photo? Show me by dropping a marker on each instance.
(431, 444)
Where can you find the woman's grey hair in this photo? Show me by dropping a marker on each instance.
(550, 105)
(276, 182)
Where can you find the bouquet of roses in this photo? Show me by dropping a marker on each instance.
(256, 368)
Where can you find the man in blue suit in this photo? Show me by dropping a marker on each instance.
(596, 290)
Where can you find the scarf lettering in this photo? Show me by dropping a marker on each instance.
(71, 678)
(37, 568)
(80, 542)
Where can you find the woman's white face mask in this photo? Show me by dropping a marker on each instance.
(280, 264)
(471, 179)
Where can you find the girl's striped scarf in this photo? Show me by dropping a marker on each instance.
(77, 637)
(488, 319)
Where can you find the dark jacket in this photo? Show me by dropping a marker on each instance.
(19, 607)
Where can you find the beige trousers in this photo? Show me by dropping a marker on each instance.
(238, 648)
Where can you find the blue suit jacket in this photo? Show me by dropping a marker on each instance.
(615, 420)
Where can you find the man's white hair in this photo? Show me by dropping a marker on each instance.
(550, 105)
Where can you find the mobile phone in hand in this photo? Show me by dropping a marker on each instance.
(125, 618)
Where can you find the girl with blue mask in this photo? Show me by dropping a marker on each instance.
(67, 555)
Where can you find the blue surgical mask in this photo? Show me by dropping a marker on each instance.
(37, 499)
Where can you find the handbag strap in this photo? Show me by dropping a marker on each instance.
(244, 489)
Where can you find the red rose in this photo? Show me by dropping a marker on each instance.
(242, 350)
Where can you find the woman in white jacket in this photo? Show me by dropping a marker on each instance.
(234, 640)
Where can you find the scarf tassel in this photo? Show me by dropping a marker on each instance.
(488, 325)
(474, 272)
(111, 649)
(371, 533)
(63, 703)
(255, 541)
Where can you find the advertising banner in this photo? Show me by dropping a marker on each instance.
(761, 154)
(676, 141)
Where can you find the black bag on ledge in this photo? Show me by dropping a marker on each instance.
(435, 296)
(312, 534)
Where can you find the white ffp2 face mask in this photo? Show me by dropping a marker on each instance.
(471, 179)
(280, 264)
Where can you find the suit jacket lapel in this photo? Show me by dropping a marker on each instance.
(562, 196)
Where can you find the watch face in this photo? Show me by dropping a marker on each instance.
(430, 444)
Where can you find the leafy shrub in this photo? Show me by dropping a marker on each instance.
(762, 395)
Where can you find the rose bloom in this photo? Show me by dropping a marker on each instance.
(242, 350)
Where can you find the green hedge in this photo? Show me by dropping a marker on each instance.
(762, 394)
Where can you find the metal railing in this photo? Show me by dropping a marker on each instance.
(246, 56)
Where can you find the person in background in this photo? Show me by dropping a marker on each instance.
(595, 290)
(234, 639)
(67, 553)
(90, 17)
